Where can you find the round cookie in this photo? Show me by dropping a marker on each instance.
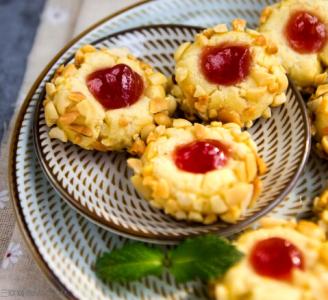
(299, 28)
(318, 107)
(107, 100)
(229, 75)
(199, 173)
(283, 260)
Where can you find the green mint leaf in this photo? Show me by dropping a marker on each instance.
(129, 263)
(205, 257)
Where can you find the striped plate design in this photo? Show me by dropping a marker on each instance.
(65, 244)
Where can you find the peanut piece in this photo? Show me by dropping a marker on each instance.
(265, 14)
(310, 229)
(123, 122)
(279, 100)
(68, 118)
(227, 116)
(162, 190)
(76, 96)
(146, 131)
(138, 147)
(181, 50)
(322, 89)
(271, 48)
(261, 165)
(181, 123)
(69, 70)
(88, 48)
(155, 91)
(50, 113)
(135, 164)
(199, 131)
(239, 24)
(163, 119)
(220, 28)
(158, 79)
(158, 105)
(181, 74)
(50, 89)
(57, 133)
(259, 41)
(81, 129)
(321, 78)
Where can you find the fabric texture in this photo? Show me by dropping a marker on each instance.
(19, 22)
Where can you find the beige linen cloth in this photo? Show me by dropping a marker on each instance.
(61, 20)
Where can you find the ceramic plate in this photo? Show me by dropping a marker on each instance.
(98, 185)
(65, 244)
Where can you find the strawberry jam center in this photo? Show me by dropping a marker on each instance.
(226, 64)
(306, 33)
(201, 156)
(115, 87)
(276, 258)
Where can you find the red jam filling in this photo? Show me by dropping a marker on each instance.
(306, 33)
(116, 87)
(201, 156)
(276, 258)
(226, 64)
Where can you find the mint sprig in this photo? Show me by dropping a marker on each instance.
(205, 257)
(129, 263)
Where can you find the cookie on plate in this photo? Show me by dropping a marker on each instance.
(229, 75)
(318, 107)
(107, 100)
(299, 28)
(283, 260)
(199, 173)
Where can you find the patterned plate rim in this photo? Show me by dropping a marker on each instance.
(149, 237)
(15, 127)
